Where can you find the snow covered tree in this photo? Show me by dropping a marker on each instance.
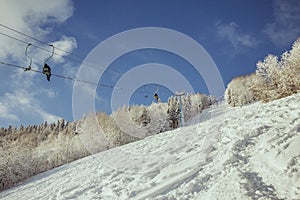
(139, 115)
(273, 79)
(290, 78)
(145, 118)
(269, 70)
(173, 112)
(198, 102)
(238, 91)
(187, 107)
(277, 79)
(28, 151)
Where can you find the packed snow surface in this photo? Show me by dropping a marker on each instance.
(252, 152)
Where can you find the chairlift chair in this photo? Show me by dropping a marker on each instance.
(26, 53)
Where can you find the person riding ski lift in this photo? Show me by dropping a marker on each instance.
(47, 71)
(46, 68)
(156, 96)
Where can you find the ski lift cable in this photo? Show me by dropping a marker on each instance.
(157, 89)
(55, 53)
(57, 75)
(38, 47)
(65, 56)
(38, 40)
(73, 79)
(46, 43)
(61, 76)
(27, 43)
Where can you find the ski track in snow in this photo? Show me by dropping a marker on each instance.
(251, 152)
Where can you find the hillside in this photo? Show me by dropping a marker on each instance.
(28, 151)
(250, 152)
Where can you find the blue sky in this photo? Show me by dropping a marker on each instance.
(236, 34)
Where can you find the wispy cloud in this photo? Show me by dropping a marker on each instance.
(237, 39)
(286, 26)
(22, 105)
(6, 115)
(65, 43)
(50, 93)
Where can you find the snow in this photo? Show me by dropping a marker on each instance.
(252, 152)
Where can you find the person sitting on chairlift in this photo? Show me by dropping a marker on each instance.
(156, 96)
(47, 71)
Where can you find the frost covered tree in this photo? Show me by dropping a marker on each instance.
(268, 72)
(139, 115)
(269, 68)
(199, 102)
(112, 131)
(145, 118)
(290, 78)
(274, 78)
(187, 107)
(28, 151)
(173, 112)
(279, 78)
(238, 91)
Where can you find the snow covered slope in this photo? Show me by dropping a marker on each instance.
(251, 152)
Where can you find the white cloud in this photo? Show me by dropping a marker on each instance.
(20, 105)
(31, 17)
(286, 26)
(46, 116)
(67, 44)
(69, 70)
(50, 93)
(237, 39)
(6, 115)
(37, 18)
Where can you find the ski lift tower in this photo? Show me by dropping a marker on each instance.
(180, 107)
